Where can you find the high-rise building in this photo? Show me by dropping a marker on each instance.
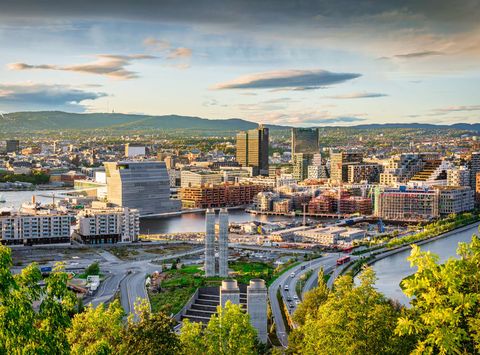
(200, 178)
(305, 140)
(252, 150)
(359, 172)
(477, 189)
(257, 307)
(339, 162)
(474, 169)
(301, 161)
(223, 243)
(142, 185)
(210, 243)
(12, 145)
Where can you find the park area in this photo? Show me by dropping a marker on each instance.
(176, 286)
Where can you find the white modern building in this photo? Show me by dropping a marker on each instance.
(41, 227)
(104, 225)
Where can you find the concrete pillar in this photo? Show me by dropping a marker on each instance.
(223, 243)
(210, 243)
(257, 307)
(229, 291)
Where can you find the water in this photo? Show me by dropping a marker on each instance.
(185, 223)
(390, 271)
(195, 222)
(14, 199)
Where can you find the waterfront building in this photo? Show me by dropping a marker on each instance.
(222, 195)
(455, 199)
(477, 191)
(328, 236)
(458, 176)
(257, 308)
(199, 178)
(402, 204)
(135, 150)
(210, 242)
(223, 243)
(305, 141)
(142, 185)
(339, 162)
(37, 226)
(103, 224)
(252, 150)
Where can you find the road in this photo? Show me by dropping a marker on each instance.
(286, 279)
(290, 278)
(129, 278)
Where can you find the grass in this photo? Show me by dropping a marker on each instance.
(123, 253)
(245, 271)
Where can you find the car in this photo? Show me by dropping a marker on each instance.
(291, 305)
(286, 288)
(289, 299)
(297, 302)
(295, 297)
(292, 274)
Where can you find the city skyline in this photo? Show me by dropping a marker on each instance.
(314, 64)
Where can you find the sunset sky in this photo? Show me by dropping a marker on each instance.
(305, 63)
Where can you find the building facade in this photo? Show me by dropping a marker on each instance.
(141, 185)
(339, 162)
(252, 150)
(45, 227)
(305, 140)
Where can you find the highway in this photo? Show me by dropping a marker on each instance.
(328, 262)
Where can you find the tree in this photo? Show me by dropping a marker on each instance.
(191, 338)
(353, 320)
(97, 330)
(152, 334)
(312, 300)
(25, 329)
(93, 269)
(445, 312)
(229, 332)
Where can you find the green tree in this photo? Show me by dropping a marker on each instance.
(97, 330)
(312, 300)
(191, 338)
(25, 329)
(92, 269)
(445, 312)
(229, 332)
(353, 320)
(152, 334)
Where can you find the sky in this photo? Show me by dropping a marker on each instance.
(295, 62)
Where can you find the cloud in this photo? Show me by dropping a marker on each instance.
(422, 54)
(358, 95)
(292, 79)
(307, 118)
(449, 109)
(41, 96)
(181, 52)
(165, 46)
(109, 65)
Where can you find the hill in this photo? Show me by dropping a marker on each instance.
(36, 121)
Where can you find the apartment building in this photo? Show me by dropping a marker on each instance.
(40, 227)
(455, 199)
(364, 172)
(222, 195)
(107, 225)
(200, 178)
(402, 204)
(458, 176)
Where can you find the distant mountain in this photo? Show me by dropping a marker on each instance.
(58, 120)
(31, 122)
